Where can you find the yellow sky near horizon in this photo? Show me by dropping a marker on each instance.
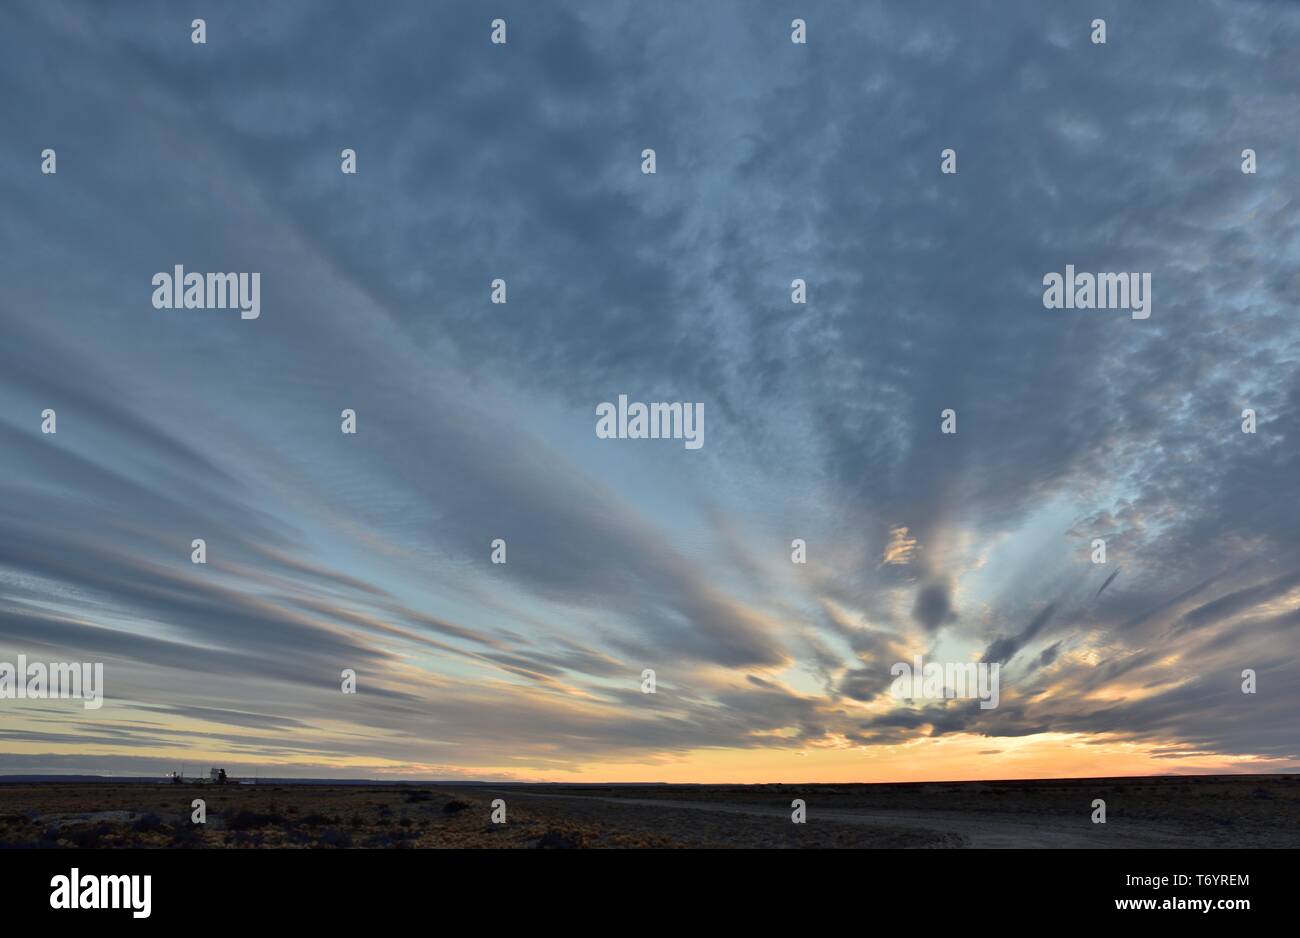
(950, 758)
(953, 758)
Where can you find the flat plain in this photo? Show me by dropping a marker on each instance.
(1241, 811)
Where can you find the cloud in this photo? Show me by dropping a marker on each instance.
(475, 420)
(933, 606)
(900, 548)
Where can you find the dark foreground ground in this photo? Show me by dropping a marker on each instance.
(1220, 811)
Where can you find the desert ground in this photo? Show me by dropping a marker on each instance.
(1257, 811)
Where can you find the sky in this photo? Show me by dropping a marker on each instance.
(475, 420)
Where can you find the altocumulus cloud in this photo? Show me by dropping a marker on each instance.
(776, 161)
